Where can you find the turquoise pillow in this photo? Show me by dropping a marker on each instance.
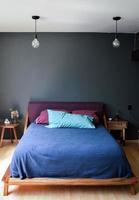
(58, 119)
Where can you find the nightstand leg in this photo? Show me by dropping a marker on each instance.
(11, 135)
(2, 135)
(15, 136)
(123, 136)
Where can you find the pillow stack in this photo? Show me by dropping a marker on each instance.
(64, 119)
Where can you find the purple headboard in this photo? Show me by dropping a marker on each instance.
(35, 107)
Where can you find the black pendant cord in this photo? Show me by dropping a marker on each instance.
(116, 19)
(35, 29)
(116, 30)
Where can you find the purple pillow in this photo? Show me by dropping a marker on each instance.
(42, 118)
(84, 112)
(91, 113)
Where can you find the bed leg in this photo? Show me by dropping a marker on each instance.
(132, 189)
(6, 187)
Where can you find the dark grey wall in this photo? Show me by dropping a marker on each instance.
(69, 67)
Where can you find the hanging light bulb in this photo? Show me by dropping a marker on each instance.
(116, 42)
(35, 42)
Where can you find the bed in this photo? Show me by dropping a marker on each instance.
(67, 156)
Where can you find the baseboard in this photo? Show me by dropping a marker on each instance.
(9, 140)
(132, 141)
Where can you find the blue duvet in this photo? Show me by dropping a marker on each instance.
(68, 152)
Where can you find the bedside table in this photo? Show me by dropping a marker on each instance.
(120, 125)
(12, 128)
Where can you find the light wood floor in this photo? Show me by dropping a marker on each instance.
(69, 193)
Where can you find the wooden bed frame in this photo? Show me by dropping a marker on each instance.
(66, 182)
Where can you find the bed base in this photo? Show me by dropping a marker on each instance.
(66, 182)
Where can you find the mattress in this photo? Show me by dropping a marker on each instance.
(68, 153)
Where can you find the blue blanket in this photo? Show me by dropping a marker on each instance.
(68, 152)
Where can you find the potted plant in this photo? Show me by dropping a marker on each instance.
(14, 115)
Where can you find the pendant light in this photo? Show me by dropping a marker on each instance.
(116, 42)
(35, 42)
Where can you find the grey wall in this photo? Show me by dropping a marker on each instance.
(69, 67)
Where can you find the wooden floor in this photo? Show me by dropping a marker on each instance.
(69, 193)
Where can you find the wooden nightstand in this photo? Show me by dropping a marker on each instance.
(11, 127)
(120, 125)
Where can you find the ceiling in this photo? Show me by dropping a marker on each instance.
(69, 15)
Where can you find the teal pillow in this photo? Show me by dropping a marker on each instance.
(58, 119)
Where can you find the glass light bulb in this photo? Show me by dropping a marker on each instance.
(116, 43)
(35, 43)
